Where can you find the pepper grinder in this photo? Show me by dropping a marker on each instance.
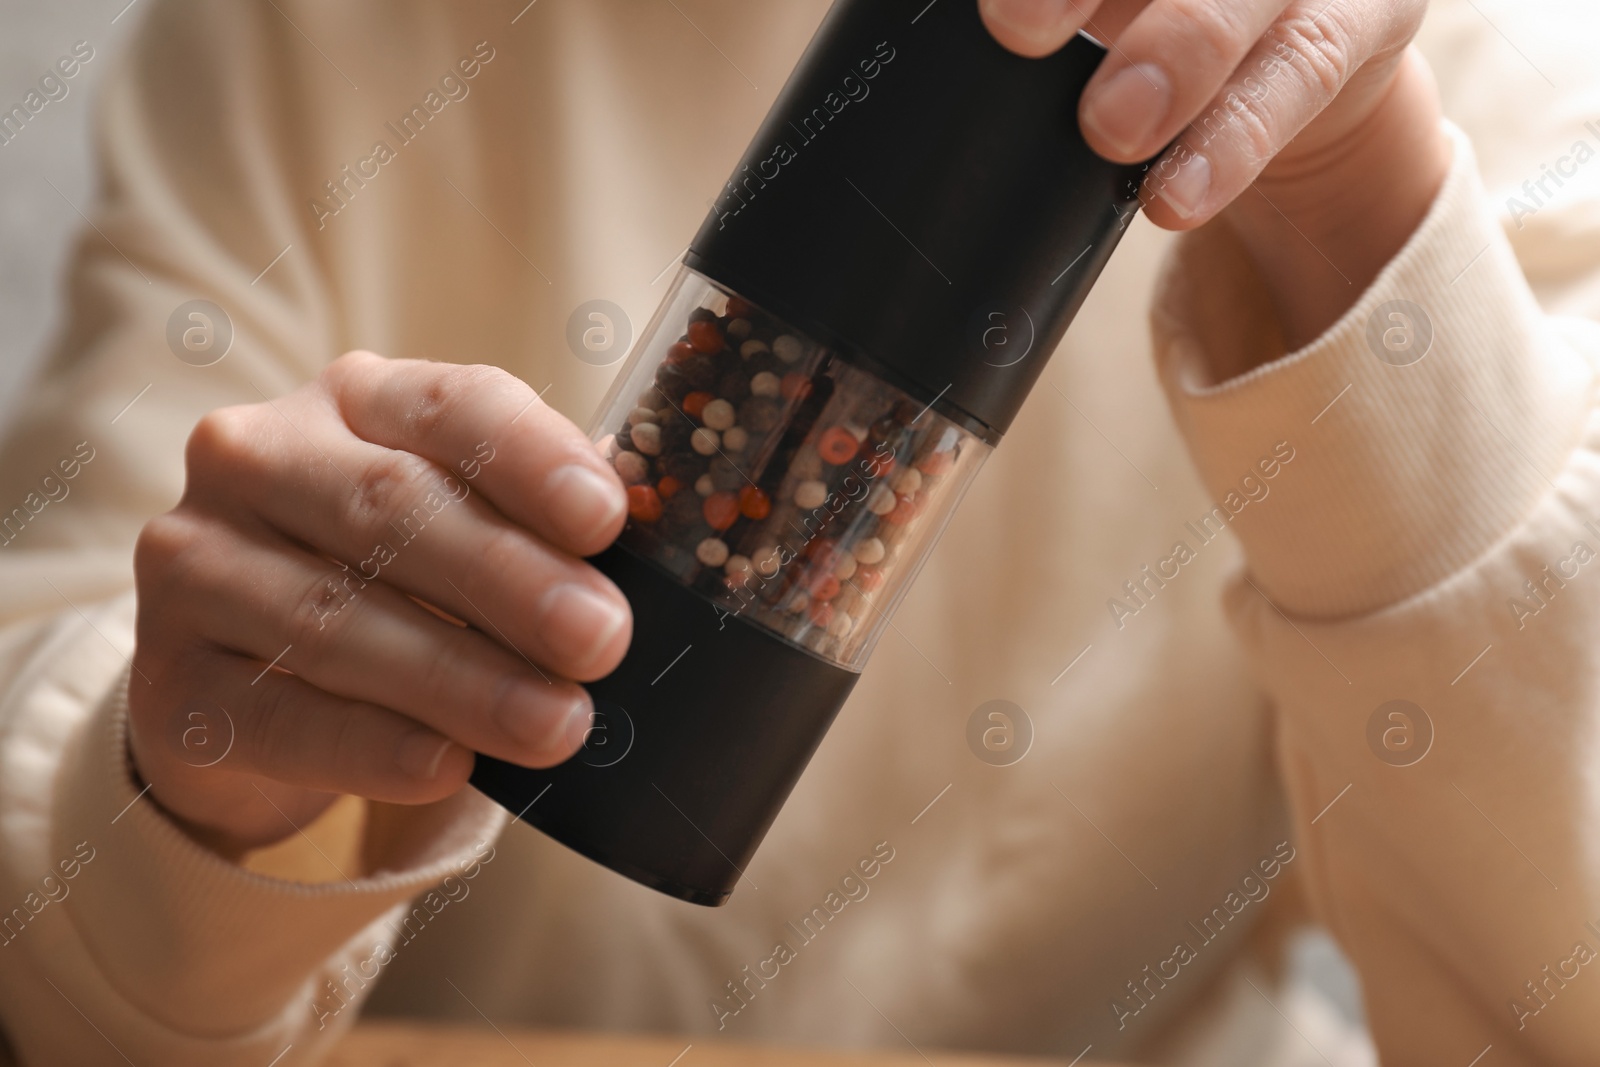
(875, 291)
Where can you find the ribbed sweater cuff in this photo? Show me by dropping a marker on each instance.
(207, 946)
(1403, 471)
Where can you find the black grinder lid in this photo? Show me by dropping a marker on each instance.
(922, 199)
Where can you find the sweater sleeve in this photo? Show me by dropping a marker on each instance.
(120, 938)
(1418, 496)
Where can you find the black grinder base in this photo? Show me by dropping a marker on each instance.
(699, 737)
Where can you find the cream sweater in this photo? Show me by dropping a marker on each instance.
(1206, 764)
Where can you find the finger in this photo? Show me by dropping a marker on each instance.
(393, 517)
(1167, 64)
(245, 720)
(485, 426)
(1292, 74)
(1036, 27)
(269, 600)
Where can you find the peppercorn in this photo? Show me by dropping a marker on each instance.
(753, 503)
(644, 504)
(733, 386)
(704, 441)
(631, 467)
(788, 347)
(695, 403)
(705, 336)
(810, 494)
(725, 475)
(836, 445)
(721, 510)
(712, 551)
(717, 414)
(759, 414)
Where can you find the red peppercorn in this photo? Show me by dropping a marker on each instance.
(668, 487)
(721, 510)
(868, 578)
(753, 503)
(936, 463)
(823, 549)
(823, 587)
(795, 386)
(821, 613)
(705, 336)
(644, 504)
(695, 403)
(680, 351)
(905, 509)
(739, 307)
(836, 445)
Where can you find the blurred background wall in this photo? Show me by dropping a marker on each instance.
(38, 222)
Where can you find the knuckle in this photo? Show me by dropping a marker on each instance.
(442, 394)
(224, 440)
(1320, 45)
(348, 364)
(1253, 126)
(320, 615)
(1216, 28)
(161, 544)
(390, 483)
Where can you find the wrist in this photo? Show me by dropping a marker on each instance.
(1323, 220)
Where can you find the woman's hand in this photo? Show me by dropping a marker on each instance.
(329, 533)
(1303, 115)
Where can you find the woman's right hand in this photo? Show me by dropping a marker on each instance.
(337, 534)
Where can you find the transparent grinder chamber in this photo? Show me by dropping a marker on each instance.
(791, 489)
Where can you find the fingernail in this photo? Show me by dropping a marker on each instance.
(583, 503)
(580, 623)
(1125, 111)
(579, 720)
(1186, 190)
(420, 753)
(537, 722)
(1042, 24)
